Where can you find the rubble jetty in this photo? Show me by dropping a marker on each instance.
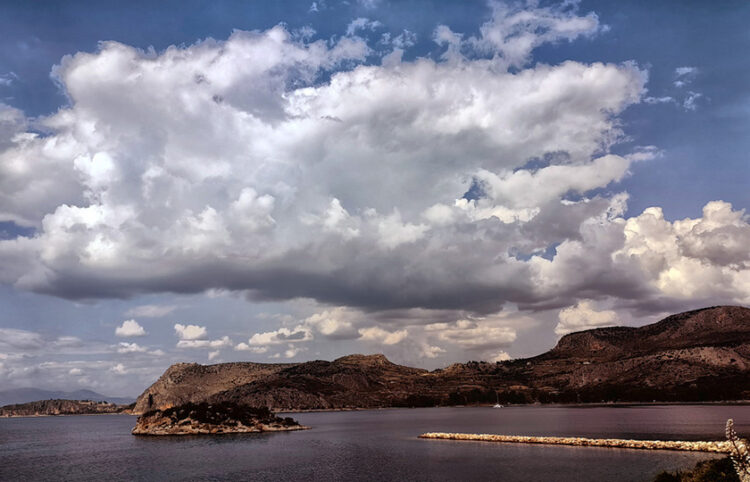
(698, 446)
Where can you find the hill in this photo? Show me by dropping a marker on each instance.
(693, 356)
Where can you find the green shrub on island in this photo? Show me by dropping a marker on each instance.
(222, 413)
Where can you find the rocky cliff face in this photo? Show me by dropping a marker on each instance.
(61, 407)
(697, 355)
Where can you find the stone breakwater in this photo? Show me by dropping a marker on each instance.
(715, 447)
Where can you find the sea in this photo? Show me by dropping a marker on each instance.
(369, 445)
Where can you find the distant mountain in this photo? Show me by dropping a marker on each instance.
(24, 395)
(699, 355)
(61, 407)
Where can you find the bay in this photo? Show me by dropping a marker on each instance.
(369, 445)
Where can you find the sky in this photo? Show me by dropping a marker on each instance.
(287, 181)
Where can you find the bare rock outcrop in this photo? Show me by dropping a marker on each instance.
(192, 383)
(212, 419)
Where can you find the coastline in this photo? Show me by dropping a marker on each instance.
(518, 405)
(487, 405)
(43, 415)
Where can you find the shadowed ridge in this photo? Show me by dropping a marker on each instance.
(694, 356)
(358, 359)
(713, 326)
(351, 381)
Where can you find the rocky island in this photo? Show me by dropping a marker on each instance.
(205, 418)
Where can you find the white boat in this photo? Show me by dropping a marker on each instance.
(497, 405)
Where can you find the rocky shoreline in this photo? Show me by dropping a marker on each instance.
(212, 419)
(722, 447)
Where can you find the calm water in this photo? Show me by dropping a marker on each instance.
(366, 445)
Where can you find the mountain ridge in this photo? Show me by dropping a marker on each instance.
(42, 408)
(688, 356)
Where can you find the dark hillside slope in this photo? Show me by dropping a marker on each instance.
(697, 355)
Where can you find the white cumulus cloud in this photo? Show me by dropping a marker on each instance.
(584, 316)
(190, 332)
(130, 328)
(377, 334)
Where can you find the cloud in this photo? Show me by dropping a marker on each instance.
(689, 103)
(659, 100)
(379, 335)
(720, 236)
(8, 79)
(190, 332)
(692, 258)
(684, 75)
(360, 24)
(254, 349)
(291, 352)
(392, 231)
(67, 342)
(474, 335)
(283, 167)
(129, 328)
(369, 4)
(336, 323)
(151, 311)
(124, 347)
(430, 351)
(499, 357)
(282, 335)
(653, 261)
(192, 343)
(18, 345)
(515, 30)
(685, 71)
(11, 339)
(584, 316)
(288, 227)
(400, 42)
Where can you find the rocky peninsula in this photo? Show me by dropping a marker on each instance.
(205, 418)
